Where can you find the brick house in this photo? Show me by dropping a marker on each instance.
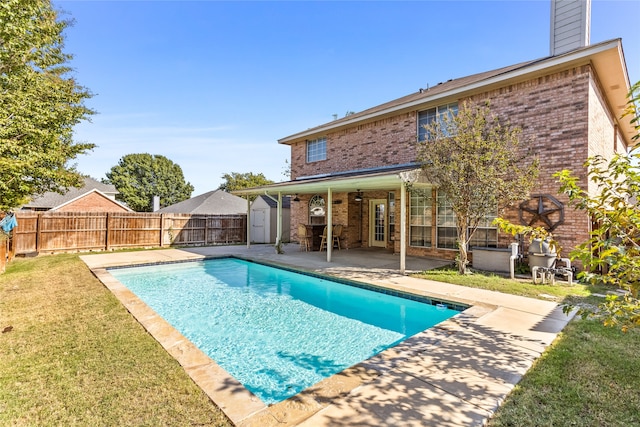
(355, 171)
(93, 196)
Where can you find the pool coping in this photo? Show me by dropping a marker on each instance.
(421, 361)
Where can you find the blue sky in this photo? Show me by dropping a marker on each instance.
(213, 85)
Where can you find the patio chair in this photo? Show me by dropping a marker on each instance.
(304, 238)
(323, 242)
(337, 235)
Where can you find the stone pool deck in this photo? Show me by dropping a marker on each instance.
(455, 374)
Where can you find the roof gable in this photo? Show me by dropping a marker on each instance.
(217, 202)
(607, 58)
(286, 201)
(52, 199)
(105, 199)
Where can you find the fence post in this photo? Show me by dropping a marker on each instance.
(206, 229)
(162, 230)
(3, 255)
(38, 232)
(107, 243)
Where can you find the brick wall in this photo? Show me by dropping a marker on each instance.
(382, 142)
(92, 202)
(563, 117)
(553, 112)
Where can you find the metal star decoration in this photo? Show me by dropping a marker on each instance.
(547, 210)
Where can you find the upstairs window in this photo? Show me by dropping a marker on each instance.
(429, 116)
(316, 150)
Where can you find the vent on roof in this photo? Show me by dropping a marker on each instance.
(570, 25)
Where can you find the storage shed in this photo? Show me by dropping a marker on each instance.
(264, 217)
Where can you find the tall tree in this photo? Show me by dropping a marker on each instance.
(238, 181)
(39, 104)
(478, 163)
(140, 177)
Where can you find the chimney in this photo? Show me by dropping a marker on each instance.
(156, 203)
(570, 25)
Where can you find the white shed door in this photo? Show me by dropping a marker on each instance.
(258, 227)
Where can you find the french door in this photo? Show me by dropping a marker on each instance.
(378, 223)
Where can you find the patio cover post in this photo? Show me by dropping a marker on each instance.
(329, 240)
(403, 227)
(248, 222)
(279, 223)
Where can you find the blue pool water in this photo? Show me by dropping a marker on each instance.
(276, 331)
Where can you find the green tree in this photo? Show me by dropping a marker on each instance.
(238, 181)
(611, 255)
(478, 164)
(39, 104)
(139, 177)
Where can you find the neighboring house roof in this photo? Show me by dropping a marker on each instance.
(50, 199)
(286, 201)
(607, 58)
(217, 202)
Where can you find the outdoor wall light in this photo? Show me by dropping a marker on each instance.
(296, 199)
(358, 197)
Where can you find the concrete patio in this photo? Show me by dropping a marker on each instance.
(455, 374)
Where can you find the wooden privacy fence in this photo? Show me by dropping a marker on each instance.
(73, 231)
(6, 252)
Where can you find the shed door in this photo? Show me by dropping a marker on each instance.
(258, 226)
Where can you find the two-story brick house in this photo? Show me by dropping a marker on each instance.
(355, 171)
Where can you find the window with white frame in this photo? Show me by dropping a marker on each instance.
(317, 210)
(420, 218)
(486, 234)
(427, 117)
(447, 234)
(316, 150)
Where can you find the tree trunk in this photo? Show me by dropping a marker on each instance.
(463, 257)
(463, 240)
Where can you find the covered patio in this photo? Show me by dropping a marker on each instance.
(352, 186)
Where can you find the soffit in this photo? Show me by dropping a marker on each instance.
(362, 182)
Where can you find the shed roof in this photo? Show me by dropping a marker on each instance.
(217, 202)
(286, 201)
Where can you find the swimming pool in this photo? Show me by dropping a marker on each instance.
(276, 331)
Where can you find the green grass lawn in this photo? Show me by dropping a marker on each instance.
(590, 376)
(72, 355)
(75, 357)
(561, 292)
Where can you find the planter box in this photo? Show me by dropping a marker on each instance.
(492, 259)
